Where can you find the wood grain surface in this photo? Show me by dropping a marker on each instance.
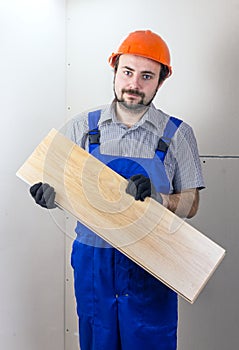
(160, 242)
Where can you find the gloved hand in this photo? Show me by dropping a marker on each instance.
(140, 187)
(44, 195)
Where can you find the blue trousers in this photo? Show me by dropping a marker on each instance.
(120, 306)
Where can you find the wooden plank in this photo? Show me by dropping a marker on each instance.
(163, 244)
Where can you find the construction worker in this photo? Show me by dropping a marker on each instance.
(120, 305)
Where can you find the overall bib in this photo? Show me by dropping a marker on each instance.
(121, 306)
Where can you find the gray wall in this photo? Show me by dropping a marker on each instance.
(54, 65)
(213, 322)
(32, 86)
(203, 91)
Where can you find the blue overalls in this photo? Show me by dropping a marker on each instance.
(121, 306)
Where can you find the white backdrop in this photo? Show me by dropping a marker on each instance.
(32, 87)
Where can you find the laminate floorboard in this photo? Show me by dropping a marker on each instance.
(149, 234)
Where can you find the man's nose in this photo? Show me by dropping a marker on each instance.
(135, 82)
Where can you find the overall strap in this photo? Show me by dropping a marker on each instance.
(164, 141)
(94, 133)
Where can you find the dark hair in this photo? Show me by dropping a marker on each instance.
(116, 63)
(163, 73)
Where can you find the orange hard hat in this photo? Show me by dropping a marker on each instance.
(144, 43)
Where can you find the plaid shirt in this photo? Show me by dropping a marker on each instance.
(182, 162)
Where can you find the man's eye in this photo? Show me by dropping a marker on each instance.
(128, 73)
(147, 76)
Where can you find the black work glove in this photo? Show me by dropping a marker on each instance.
(44, 195)
(140, 187)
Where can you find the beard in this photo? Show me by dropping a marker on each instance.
(131, 106)
(128, 104)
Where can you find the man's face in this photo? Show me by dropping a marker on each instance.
(136, 81)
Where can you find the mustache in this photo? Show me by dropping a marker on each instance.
(134, 92)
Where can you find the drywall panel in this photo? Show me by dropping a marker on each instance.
(71, 319)
(212, 322)
(32, 88)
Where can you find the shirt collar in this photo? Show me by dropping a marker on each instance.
(107, 114)
(152, 118)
